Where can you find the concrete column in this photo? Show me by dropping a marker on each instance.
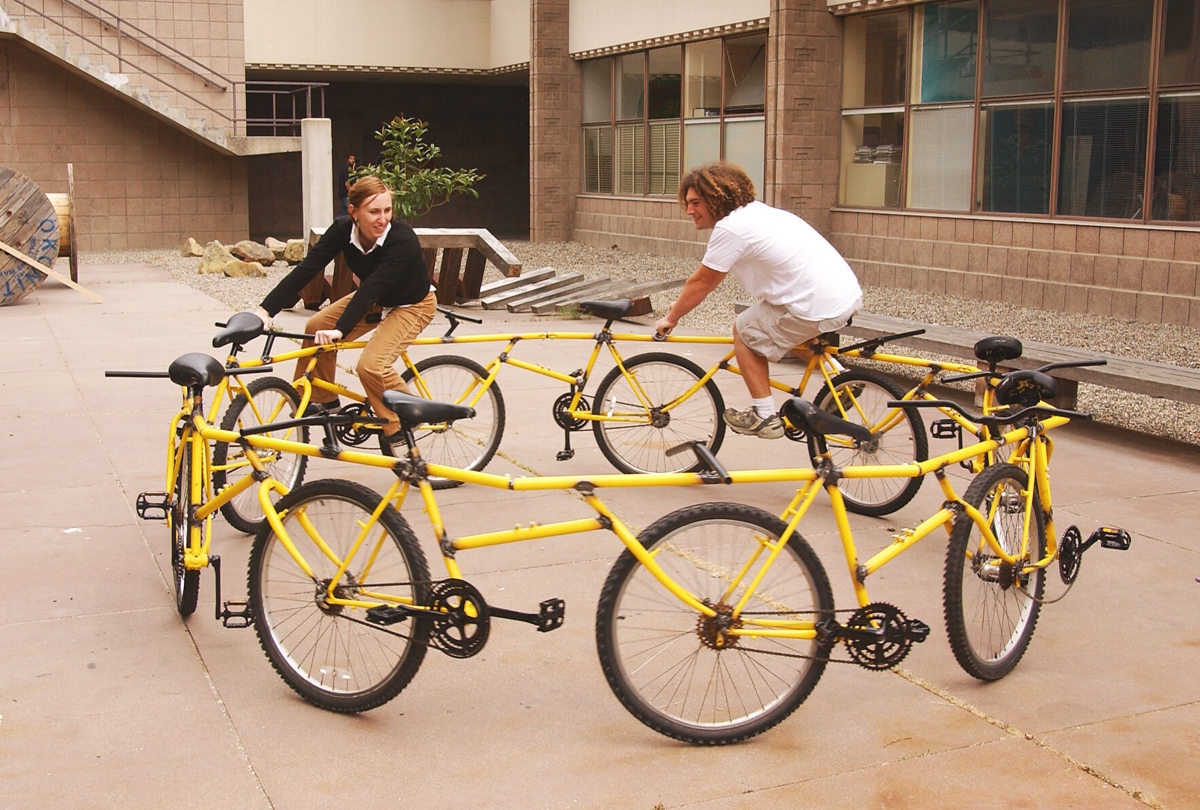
(316, 169)
(804, 66)
(554, 124)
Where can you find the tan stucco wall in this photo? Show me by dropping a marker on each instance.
(414, 34)
(605, 23)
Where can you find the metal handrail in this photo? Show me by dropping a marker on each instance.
(144, 38)
(312, 92)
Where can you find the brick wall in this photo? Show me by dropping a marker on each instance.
(1132, 273)
(554, 115)
(647, 225)
(138, 182)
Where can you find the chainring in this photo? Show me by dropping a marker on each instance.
(352, 434)
(1070, 555)
(888, 649)
(461, 620)
(562, 412)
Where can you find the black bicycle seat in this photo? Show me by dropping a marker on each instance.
(998, 348)
(1026, 388)
(194, 369)
(812, 420)
(242, 327)
(617, 308)
(413, 410)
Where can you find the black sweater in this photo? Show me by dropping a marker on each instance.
(392, 275)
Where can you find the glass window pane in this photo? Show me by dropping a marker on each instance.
(947, 50)
(597, 160)
(665, 82)
(702, 79)
(1019, 43)
(1103, 157)
(1015, 147)
(745, 146)
(664, 157)
(631, 85)
(1181, 44)
(596, 77)
(874, 54)
(872, 146)
(701, 143)
(745, 74)
(1177, 160)
(631, 151)
(1108, 44)
(939, 161)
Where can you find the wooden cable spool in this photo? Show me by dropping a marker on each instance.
(30, 224)
(64, 207)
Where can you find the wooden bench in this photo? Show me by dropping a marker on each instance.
(1163, 380)
(456, 281)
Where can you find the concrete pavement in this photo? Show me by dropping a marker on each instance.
(109, 699)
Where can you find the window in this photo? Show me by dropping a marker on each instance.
(653, 114)
(1028, 107)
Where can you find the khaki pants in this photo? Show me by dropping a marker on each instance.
(392, 335)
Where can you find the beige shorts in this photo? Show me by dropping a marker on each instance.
(773, 331)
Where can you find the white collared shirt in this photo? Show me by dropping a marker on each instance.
(354, 240)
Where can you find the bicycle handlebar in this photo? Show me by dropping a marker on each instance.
(1048, 367)
(869, 347)
(992, 419)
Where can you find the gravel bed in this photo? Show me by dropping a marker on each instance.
(1165, 343)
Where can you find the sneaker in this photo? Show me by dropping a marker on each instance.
(749, 423)
(318, 408)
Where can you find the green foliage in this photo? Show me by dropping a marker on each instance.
(404, 167)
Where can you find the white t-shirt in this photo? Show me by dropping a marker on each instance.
(781, 259)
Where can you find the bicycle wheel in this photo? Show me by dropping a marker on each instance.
(185, 583)
(635, 434)
(899, 437)
(274, 400)
(669, 666)
(991, 607)
(468, 444)
(330, 654)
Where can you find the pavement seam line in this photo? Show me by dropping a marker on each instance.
(1008, 728)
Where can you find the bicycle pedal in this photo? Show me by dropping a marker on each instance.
(237, 613)
(550, 615)
(917, 631)
(153, 505)
(565, 455)
(945, 429)
(1111, 537)
(387, 614)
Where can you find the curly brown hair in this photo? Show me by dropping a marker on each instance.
(722, 186)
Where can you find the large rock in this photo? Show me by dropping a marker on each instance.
(240, 269)
(276, 247)
(294, 252)
(215, 257)
(192, 249)
(249, 251)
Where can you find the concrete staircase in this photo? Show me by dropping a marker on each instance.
(198, 124)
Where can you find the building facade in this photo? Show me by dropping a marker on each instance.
(1037, 152)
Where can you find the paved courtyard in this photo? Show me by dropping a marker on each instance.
(109, 699)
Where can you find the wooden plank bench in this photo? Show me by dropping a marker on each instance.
(456, 281)
(1163, 380)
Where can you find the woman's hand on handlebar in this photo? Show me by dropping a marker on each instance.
(266, 319)
(326, 336)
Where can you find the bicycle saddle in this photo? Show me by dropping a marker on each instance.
(194, 369)
(242, 327)
(1026, 388)
(997, 348)
(413, 410)
(618, 308)
(811, 419)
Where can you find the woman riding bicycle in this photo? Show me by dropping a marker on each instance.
(385, 255)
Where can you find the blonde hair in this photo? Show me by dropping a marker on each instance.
(722, 186)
